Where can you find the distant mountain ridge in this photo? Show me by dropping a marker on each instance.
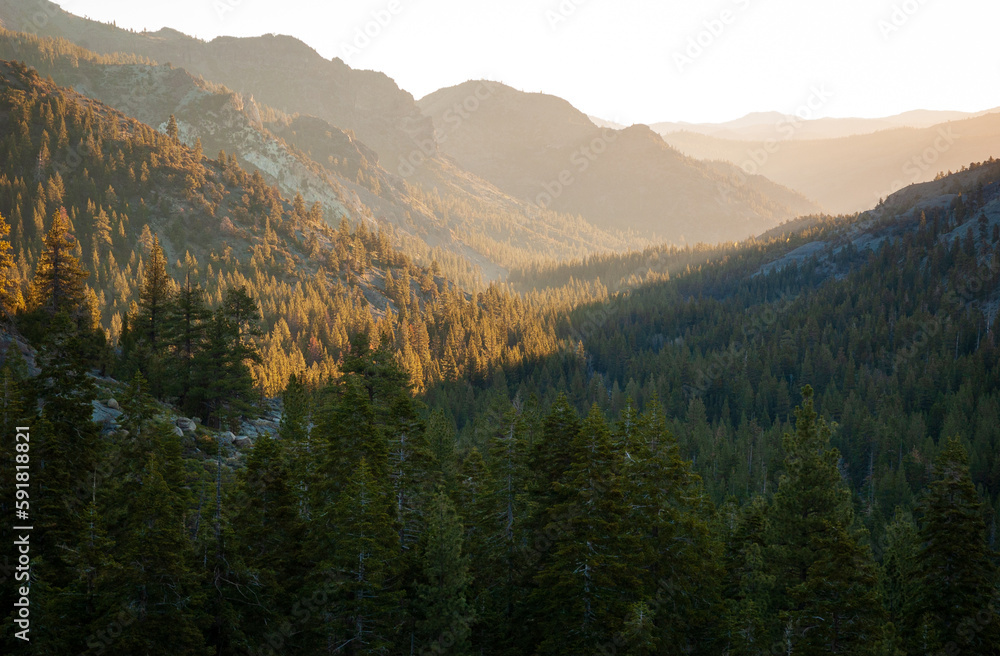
(851, 174)
(540, 148)
(765, 125)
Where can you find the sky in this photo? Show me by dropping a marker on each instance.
(637, 61)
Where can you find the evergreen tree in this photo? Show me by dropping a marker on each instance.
(440, 437)
(825, 577)
(364, 570)
(145, 344)
(185, 330)
(58, 282)
(441, 594)
(747, 629)
(157, 582)
(955, 577)
(296, 436)
(172, 130)
(267, 566)
(668, 513)
(11, 300)
(584, 588)
(67, 441)
(154, 300)
(223, 388)
(898, 562)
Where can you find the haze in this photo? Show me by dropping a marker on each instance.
(629, 61)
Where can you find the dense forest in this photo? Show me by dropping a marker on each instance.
(730, 450)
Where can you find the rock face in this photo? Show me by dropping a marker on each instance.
(10, 344)
(266, 424)
(186, 425)
(113, 404)
(242, 442)
(105, 416)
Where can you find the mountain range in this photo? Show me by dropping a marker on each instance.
(411, 150)
(312, 366)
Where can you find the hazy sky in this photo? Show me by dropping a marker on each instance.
(638, 60)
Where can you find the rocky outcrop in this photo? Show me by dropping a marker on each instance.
(14, 347)
(105, 416)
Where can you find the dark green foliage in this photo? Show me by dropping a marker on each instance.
(441, 590)
(584, 583)
(825, 577)
(185, 332)
(431, 488)
(954, 573)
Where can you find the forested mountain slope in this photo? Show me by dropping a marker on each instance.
(789, 444)
(477, 543)
(890, 316)
(540, 148)
(469, 227)
(485, 513)
(280, 71)
(283, 73)
(124, 184)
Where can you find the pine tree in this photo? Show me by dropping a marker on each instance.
(102, 231)
(501, 531)
(898, 562)
(265, 564)
(362, 570)
(299, 449)
(154, 299)
(667, 514)
(345, 432)
(747, 630)
(955, 578)
(184, 331)
(440, 436)
(441, 594)
(157, 582)
(551, 456)
(67, 440)
(145, 344)
(825, 577)
(584, 589)
(223, 387)
(172, 130)
(11, 300)
(58, 282)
